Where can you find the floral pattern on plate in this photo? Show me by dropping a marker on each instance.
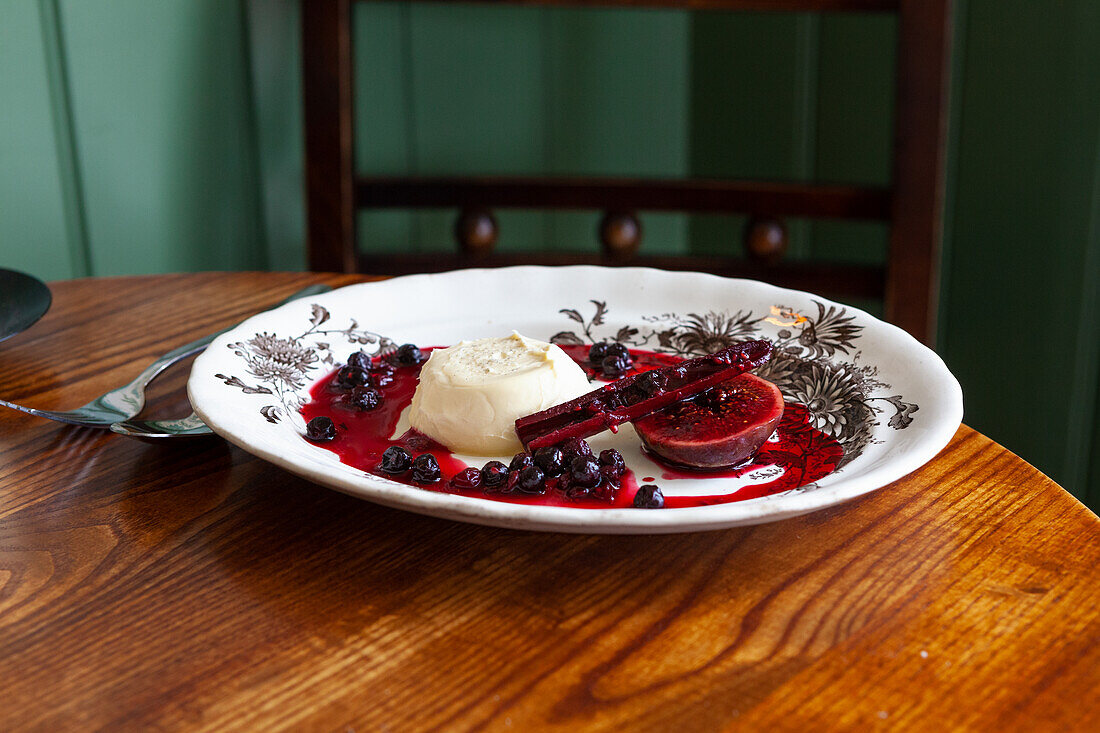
(843, 397)
(815, 362)
(285, 365)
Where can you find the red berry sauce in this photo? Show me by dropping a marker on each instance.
(798, 453)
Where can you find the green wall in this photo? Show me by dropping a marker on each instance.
(793, 97)
(40, 219)
(510, 90)
(129, 142)
(1020, 305)
(150, 137)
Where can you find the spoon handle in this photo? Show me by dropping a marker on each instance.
(191, 426)
(127, 401)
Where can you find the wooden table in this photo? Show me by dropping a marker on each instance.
(192, 586)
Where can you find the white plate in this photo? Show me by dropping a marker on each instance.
(890, 401)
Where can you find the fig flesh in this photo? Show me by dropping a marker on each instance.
(719, 428)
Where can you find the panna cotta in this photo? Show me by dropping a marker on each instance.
(471, 394)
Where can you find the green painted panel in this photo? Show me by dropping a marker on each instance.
(616, 104)
(794, 97)
(33, 232)
(1088, 467)
(163, 134)
(465, 89)
(383, 115)
(1091, 495)
(274, 52)
(1083, 452)
(1020, 230)
(747, 110)
(855, 134)
(855, 98)
(477, 80)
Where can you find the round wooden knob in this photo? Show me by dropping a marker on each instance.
(765, 240)
(476, 231)
(620, 234)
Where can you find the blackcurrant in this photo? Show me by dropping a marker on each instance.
(550, 459)
(359, 360)
(649, 497)
(425, 469)
(531, 480)
(584, 472)
(597, 352)
(493, 474)
(614, 365)
(520, 461)
(321, 429)
(469, 478)
(364, 398)
(408, 355)
(395, 459)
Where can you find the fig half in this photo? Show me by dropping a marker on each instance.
(639, 394)
(719, 428)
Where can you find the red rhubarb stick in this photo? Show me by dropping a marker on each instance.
(637, 395)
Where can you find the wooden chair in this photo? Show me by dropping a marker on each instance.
(912, 205)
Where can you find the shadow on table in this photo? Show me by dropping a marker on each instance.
(320, 556)
(256, 562)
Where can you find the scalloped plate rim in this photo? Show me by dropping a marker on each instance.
(567, 519)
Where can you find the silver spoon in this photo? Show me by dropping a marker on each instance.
(23, 300)
(123, 403)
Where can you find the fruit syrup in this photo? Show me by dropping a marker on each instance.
(804, 453)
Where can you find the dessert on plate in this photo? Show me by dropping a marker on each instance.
(429, 417)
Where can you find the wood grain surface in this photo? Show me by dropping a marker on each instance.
(191, 586)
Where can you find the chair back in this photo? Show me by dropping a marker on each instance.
(912, 204)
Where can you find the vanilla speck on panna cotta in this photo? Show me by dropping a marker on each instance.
(471, 394)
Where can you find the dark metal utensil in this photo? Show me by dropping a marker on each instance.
(124, 403)
(23, 300)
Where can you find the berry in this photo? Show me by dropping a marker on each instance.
(652, 383)
(519, 462)
(493, 474)
(469, 478)
(380, 367)
(364, 398)
(378, 380)
(598, 352)
(407, 355)
(649, 497)
(574, 491)
(617, 349)
(395, 460)
(612, 464)
(321, 429)
(606, 490)
(584, 472)
(614, 365)
(349, 377)
(573, 447)
(425, 469)
(531, 480)
(359, 360)
(550, 459)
